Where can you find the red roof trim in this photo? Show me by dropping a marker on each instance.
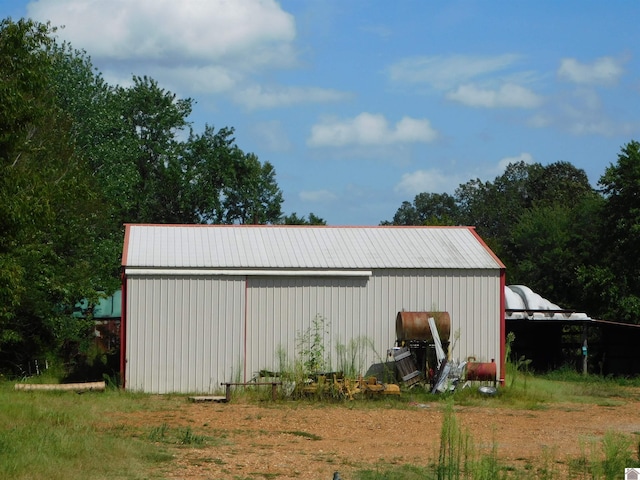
(486, 247)
(125, 248)
(205, 225)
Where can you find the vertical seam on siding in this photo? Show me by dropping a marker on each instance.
(502, 326)
(246, 309)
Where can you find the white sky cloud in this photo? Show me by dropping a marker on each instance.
(420, 181)
(584, 112)
(318, 196)
(507, 96)
(207, 46)
(202, 31)
(474, 81)
(442, 72)
(436, 181)
(523, 157)
(260, 97)
(603, 71)
(369, 129)
(200, 79)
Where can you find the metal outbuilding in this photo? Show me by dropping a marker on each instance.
(205, 304)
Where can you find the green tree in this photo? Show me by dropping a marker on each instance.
(559, 182)
(253, 197)
(102, 138)
(155, 118)
(49, 208)
(134, 140)
(79, 159)
(209, 169)
(551, 242)
(552, 235)
(428, 209)
(496, 208)
(615, 277)
(294, 219)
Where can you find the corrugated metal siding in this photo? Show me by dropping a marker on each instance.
(472, 299)
(215, 246)
(282, 309)
(186, 334)
(183, 334)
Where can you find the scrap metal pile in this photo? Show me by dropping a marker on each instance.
(337, 385)
(420, 357)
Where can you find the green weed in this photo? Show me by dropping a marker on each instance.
(187, 437)
(299, 433)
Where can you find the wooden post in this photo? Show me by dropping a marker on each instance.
(228, 392)
(584, 350)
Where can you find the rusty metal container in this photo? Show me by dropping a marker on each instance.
(482, 371)
(415, 326)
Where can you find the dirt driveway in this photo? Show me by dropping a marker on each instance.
(290, 440)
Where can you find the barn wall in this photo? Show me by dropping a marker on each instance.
(184, 334)
(187, 334)
(280, 310)
(472, 298)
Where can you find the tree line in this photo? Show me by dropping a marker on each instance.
(574, 244)
(80, 158)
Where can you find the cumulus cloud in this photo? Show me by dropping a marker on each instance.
(507, 96)
(583, 112)
(475, 81)
(190, 31)
(206, 78)
(318, 196)
(259, 97)
(523, 157)
(603, 71)
(425, 181)
(434, 180)
(442, 72)
(369, 129)
(210, 46)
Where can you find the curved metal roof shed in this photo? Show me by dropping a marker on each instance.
(205, 304)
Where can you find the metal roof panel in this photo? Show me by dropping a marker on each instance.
(308, 247)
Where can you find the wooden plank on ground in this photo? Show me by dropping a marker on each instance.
(208, 398)
(73, 387)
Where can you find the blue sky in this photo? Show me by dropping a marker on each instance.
(361, 105)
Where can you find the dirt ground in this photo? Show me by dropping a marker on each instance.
(290, 440)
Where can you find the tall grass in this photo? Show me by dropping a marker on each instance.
(313, 363)
(459, 458)
(64, 435)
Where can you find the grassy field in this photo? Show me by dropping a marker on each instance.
(65, 435)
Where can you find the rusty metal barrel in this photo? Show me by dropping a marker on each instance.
(481, 371)
(415, 326)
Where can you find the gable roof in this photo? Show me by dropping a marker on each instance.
(308, 247)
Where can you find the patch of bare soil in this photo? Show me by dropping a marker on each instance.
(285, 440)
